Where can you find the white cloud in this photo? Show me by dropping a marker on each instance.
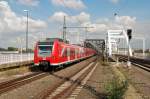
(83, 17)
(101, 25)
(29, 2)
(12, 25)
(126, 20)
(74, 4)
(115, 1)
(59, 16)
(10, 22)
(142, 29)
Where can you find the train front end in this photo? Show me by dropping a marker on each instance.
(43, 53)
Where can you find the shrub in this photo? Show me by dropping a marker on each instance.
(116, 89)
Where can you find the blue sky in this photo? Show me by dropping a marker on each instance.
(46, 17)
(97, 8)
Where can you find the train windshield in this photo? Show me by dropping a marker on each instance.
(45, 50)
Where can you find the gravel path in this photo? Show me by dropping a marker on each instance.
(95, 86)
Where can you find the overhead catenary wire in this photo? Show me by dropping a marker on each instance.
(65, 27)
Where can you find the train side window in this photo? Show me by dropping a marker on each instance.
(76, 53)
(68, 51)
(72, 52)
(65, 53)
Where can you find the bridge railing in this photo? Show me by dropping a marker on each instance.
(99, 50)
(11, 58)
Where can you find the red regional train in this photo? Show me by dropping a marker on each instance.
(55, 52)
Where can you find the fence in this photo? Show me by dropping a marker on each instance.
(10, 58)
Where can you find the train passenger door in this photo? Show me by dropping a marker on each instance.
(68, 54)
(76, 53)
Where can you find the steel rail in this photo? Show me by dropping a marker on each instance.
(15, 83)
(137, 63)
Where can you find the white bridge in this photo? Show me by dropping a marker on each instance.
(112, 41)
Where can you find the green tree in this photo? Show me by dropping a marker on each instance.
(12, 49)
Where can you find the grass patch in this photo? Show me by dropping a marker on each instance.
(15, 71)
(116, 88)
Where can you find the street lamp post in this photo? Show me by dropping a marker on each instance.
(26, 29)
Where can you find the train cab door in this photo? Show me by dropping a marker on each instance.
(68, 54)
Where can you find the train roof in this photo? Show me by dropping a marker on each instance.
(53, 39)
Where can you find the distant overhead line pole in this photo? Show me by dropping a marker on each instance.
(64, 29)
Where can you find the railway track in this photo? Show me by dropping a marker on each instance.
(68, 86)
(139, 62)
(18, 82)
(15, 83)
